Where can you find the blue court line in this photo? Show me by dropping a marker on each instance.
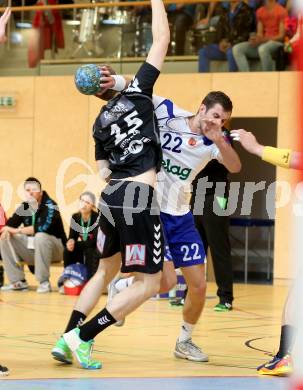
(192, 383)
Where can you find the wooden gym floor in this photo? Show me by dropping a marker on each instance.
(237, 342)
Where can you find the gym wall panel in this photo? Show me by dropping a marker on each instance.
(288, 106)
(287, 138)
(187, 90)
(16, 159)
(60, 139)
(95, 105)
(253, 94)
(22, 88)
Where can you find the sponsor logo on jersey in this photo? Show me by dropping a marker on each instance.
(112, 113)
(192, 142)
(182, 173)
(135, 255)
(134, 147)
(134, 86)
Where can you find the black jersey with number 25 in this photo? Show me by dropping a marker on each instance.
(126, 131)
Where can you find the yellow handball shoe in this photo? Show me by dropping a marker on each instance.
(277, 367)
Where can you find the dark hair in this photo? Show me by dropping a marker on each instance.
(218, 97)
(32, 180)
(90, 195)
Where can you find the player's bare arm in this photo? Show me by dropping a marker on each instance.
(103, 169)
(161, 35)
(285, 158)
(228, 156)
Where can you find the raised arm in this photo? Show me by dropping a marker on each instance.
(161, 35)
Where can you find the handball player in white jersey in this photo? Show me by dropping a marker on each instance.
(188, 142)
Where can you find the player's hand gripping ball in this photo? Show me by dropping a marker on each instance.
(88, 78)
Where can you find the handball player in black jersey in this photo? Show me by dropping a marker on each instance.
(127, 146)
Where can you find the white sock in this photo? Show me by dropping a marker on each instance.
(186, 331)
(121, 284)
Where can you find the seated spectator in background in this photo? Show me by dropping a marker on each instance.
(255, 4)
(81, 243)
(67, 13)
(233, 27)
(267, 41)
(181, 17)
(35, 235)
(2, 217)
(292, 43)
(47, 33)
(213, 13)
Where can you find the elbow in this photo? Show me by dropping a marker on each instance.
(164, 41)
(105, 174)
(164, 37)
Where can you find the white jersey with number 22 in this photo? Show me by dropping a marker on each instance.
(185, 154)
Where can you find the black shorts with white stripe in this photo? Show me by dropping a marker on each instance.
(130, 223)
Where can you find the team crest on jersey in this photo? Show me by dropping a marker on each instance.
(192, 142)
(135, 255)
(135, 146)
(134, 86)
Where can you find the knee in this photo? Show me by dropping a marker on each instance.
(152, 285)
(238, 49)
(203, 52)
(198, 289)
(263, 51)
(102, 273)
(40, 238)
(229, 54)
(167, 282)
(3, 242)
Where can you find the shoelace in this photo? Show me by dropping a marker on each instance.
(91, 349)
(194, 346)
(274, 360)
(268, 364)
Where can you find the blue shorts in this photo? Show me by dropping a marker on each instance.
(182, 242)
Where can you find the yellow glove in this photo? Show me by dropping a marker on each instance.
(276, 156)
